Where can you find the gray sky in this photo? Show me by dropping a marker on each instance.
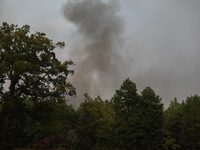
(153, 42)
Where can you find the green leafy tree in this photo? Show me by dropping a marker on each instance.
(173, 128)
(192, 117)
(96, 121)
(138, 117)
(29, 66)
(125, 103)
(151, 119)
(181, 124)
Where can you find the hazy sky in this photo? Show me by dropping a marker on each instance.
(153, 42)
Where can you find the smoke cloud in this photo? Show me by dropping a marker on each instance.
(160, 46)
(98, 63)
(154, 42)
(166, 46)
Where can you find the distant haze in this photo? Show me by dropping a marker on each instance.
(166, 49)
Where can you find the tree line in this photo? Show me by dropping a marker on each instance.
(33, 112)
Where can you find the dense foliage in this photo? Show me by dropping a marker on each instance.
(36, 80)
(33, 112)
(138, 117)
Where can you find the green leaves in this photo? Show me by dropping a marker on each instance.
(172, 129)
(96, 120)
(192, 116)
(30, 66)
(181, 124)
(60, 44)
(24, 56)
(138, 117)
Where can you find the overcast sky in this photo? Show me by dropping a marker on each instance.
(153, 42)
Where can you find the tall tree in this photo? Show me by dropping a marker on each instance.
(96, 120)
(173, 126)
(151, 119)
(138, 117)
(126, 104)
(29, 66)
(192, 116)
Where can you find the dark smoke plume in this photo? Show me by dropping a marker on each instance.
(98, 63)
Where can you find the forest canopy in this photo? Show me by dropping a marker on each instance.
(34, 113)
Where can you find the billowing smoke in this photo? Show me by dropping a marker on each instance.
(160, 42)
(161, 46)
(98, 63)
